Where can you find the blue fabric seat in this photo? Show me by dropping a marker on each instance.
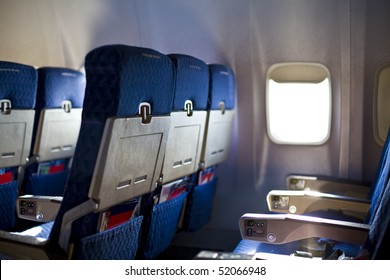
(119, 79)
(18, 85)
(220, 108)
(60, 92)
(182, 154)
(216, 145)
(185, 138)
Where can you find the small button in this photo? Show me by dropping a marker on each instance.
(292, 209)
(249, 232)
(271, 237)
(260, 224)
(39, 216)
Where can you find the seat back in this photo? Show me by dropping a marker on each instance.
(220, 115)
(182, 155)
(18, 84)
(188, 115)
(120, 149)
(219, 123)
(382, 177)
(379, 213)
(60, 98)
(378, 238)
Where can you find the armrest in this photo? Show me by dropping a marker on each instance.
(18, 246)
(284, 228)
(300, 202)
(327, 185)
(38, 208)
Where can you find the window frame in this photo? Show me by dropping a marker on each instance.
(378, 100)
(319, 75)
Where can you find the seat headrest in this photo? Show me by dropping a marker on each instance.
(192, 82)
(18, 83)
(56, 85)
(222, 86)
(122, 77)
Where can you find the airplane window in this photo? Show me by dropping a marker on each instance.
(382, 115)
(298, 104)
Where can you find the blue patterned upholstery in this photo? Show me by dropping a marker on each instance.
(379, 236)
(119, 78)
(222, 86)
(199, 205)
(163, 226)
(111, 243)
(8, 194)
(57, 84)
(382, 177)
(18, 84)
(190, 85)
(51, 184)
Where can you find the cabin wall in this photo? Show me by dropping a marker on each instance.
(350, 37)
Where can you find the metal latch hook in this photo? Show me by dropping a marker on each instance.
(145, 111)
(67, 106)
(189, 107)
(5, 106)
(222, 107)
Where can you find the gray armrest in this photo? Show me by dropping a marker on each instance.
(300, 202)
(284, 228)
(19, 246)
(327, 185)
(38, 208)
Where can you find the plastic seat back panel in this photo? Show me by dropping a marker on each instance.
(130, 159)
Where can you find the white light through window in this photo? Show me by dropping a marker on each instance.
(298, 112)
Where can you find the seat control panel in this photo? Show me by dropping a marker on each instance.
(38, 208)
(284, 228)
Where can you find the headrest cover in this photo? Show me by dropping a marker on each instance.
(222, 86)
(192, 82)
(56, 85)
(121, 77)
(18, 83)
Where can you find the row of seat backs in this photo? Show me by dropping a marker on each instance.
(126, 124)
(35, 128)
(198, 88)
(202, 111)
